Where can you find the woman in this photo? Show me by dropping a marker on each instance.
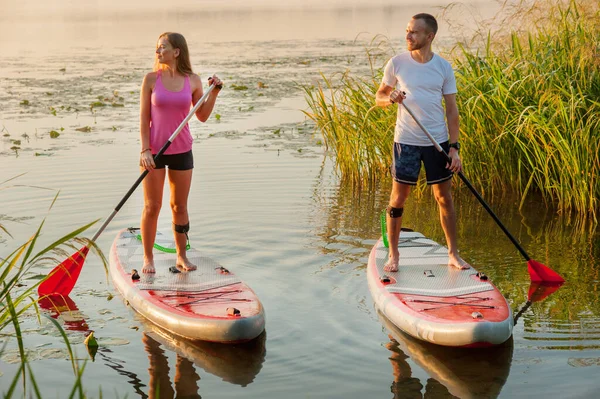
(167, 94)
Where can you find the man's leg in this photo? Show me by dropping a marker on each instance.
(443, 196)
(393, 216)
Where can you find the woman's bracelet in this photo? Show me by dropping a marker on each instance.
(145, 149)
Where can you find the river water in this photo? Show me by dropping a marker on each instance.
(266, 203)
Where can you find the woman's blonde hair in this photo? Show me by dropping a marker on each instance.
(182, 62)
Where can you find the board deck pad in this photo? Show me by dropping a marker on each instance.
(431, 277)
(203, 278)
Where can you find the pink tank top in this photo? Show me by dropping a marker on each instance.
(167, 110)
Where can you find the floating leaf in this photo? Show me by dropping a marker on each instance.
(25, 102)
(118, 105)
(240, 87)
(218, 117)
(91, 345)
(85, 129)
(54, 134)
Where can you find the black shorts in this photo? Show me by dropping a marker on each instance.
(407, 164)
(183, 161)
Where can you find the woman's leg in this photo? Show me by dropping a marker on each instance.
(153, 194)
(180, 182)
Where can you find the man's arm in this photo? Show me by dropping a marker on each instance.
(452, 117)
(453, 131)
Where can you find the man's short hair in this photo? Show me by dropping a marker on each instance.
(430, 21)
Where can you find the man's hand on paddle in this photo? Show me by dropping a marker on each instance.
(397, 96)
(456, 165)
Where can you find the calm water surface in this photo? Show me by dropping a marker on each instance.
(266, 203)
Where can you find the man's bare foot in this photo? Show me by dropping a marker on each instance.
(458, 262)
(185, 264)
(391, 265)
(148, 267)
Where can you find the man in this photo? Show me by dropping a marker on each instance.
(422, 79)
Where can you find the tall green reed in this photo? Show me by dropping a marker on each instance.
(529, 104)
(17, 300)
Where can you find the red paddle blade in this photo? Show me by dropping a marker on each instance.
(539, 292)
(63, 277)
(541, 273)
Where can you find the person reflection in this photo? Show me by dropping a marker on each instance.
(404, 385)
(186, 378)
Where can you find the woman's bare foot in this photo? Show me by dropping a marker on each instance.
(148, 267)
(185, 264)
(458, 262)
(391, 265)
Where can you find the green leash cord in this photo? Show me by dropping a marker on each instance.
(163, 249)
(384, 229)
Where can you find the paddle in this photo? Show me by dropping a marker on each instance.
(538, 272)
(537, 292)
(63, 277)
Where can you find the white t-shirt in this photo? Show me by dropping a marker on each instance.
(425, 85)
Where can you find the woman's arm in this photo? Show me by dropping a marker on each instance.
(206, 108)
(146, 159)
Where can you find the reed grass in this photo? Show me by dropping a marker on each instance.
(529, 102)
(17, 300)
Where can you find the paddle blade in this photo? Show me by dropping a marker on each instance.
(63, 277)
(541, 273)
(538, 292)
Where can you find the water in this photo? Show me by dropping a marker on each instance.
(265, 203)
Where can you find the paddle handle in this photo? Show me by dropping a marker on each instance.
(156, 157)
(470, 186)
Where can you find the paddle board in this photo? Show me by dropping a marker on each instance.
(436, 303)
(210, 303)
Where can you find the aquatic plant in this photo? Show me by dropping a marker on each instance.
(17, 300)
(528, 102)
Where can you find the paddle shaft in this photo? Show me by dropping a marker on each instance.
(156, 157)
(470, 186)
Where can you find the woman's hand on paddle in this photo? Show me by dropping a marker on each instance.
(147, 160)
(214, 80)
(456, 165)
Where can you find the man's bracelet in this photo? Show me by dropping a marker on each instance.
(145, 149)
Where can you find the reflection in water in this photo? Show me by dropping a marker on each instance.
(185, 381)
(237, 364)
(454, 372)
(63, 308)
